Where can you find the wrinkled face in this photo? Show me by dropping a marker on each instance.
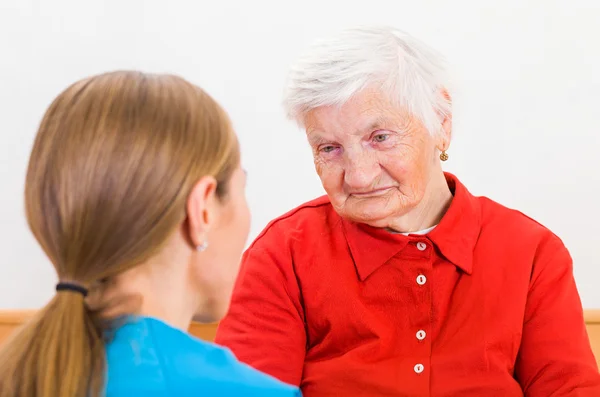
(374, 160)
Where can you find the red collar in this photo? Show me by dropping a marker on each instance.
(455, 236)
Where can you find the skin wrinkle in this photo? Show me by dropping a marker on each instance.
(370, 143)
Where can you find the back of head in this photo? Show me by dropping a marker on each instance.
(336, 68)
(114, 160)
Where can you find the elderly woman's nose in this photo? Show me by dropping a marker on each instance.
(360, 170)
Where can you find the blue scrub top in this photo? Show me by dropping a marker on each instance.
(147, 357)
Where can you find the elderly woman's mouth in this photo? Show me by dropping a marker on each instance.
(372, 193)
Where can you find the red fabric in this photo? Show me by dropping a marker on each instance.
(335, 307)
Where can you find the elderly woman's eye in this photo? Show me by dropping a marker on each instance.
(381, 137)
(327, 149)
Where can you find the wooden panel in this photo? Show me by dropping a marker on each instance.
(208, 331)
(592, 320)
(11, 319)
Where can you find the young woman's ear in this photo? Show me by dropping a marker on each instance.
(201, 207)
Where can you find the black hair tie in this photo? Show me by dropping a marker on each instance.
(72, 287)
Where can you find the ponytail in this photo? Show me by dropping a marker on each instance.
(107, 184)
(58, 353)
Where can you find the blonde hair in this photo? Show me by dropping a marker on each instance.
(113, 163)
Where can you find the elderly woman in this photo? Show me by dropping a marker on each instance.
(400, 282)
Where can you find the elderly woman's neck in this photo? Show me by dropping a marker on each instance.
(428, 212)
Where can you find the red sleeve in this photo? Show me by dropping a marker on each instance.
(555, 357)
(265, 324)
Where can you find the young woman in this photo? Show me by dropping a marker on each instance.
(135, 192)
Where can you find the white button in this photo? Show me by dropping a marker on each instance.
(421, 279)
(421, 335)
(419, 368)
(421, 246)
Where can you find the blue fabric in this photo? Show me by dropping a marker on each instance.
(147, 357)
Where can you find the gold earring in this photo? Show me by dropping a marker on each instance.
(443, 155)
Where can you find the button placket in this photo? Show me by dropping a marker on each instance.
(420, 334)
(424, 256)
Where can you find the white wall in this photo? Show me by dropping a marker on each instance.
(526, 124)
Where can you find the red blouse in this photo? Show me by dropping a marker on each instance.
(483, 305)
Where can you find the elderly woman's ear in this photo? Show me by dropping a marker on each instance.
(445, 133)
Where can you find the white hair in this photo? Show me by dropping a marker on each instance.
(335, 69)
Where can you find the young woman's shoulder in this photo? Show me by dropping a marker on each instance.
(152, 357)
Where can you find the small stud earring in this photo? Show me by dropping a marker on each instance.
(443, 155)
(202, 247)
